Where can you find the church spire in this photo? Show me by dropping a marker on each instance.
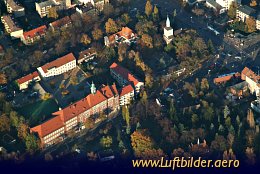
(93, 88)
(168, 23)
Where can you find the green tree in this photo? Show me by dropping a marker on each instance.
(148, 8)
(14, 119)
(172, 112)
(111, 26)
(194, 119)
(97, 33)
(31, 143)
(228, 122)
(108, 9)
(155, 14)
(210, 46)
(226, 112)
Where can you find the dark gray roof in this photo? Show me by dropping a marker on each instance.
(214, 4)
(247, 10)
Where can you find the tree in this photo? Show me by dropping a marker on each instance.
(122, 51)
(250, 119)
(3, 79)
(250, 24)
(4, 123)
(14, 119)
(228, 122)
(155, 14)
(125, 19)
(194, 119)
(148, 8)
(97, 33)
(250, 156)
(92, 156)
(52, 13)
(210, 46)
(253, 3)
(147, 40)
(106, 141)
(108, 9)
(85, 39)
(140, 142)
(204, 84)
(111, 26)
(22, 130)
(172, 112)
(31, 143)
(230, 139)
(89, 123)
(219, 144)
(157, 41)
(226, 112)
(232, 10)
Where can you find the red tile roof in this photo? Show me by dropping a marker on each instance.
(124, 73)
(58, 62)
(125, 32)
(61, 22)
(48, 127)
(126, 89)
(35, 32)
(106, 91)
(250, 74)
(27, 78)
(225, 78)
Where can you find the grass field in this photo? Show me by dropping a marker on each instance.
(39, 111)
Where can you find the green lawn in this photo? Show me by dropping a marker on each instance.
(39, 111)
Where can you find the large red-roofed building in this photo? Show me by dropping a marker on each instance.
(31, 36)
(24, 82)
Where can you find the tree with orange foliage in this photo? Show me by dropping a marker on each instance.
(250, 25)
(3, 79)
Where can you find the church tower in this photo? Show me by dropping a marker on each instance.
(93, 88)
(168, 31)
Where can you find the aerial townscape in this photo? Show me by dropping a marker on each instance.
(99, 83)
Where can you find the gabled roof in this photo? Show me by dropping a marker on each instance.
(250, 74)
(61, 22)
(14, 5)
(48, 127)
(11, 23)
(58, 62)
(86, 52)
(125, 32)
(124, 73)
(27, 78)
(126, 89)
(246, 9)
(107, 92)
(35, 32)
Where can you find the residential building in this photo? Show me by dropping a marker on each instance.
(62, 4)
(227, 3)
(252, 80)
(34, 35)
(15, 8)
(24, 82)
(168, 31)
(87, 8)
(43, 7)
(244, 12)
(215, 6)
(126, 35)
(239, 89)
(126, 95)
(124, 77)
(226, 77)
(58, 66)
(258, 22)
(11, 27)
(87, 55)
(104, 100)
(61, 23)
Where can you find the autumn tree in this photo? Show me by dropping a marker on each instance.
(253, 3)
(85, 39)
(22, 130)
(4, 123)
(148, 8)
(232, 11)
(31, 143)
(250, 118)
(106, 141)
(14, 119)
(122, 51)
(52, 13)
(155, 14)
(3, 79)
(108, 9)
(111, 26)
(157, 41)
(97, 33)
(229, 155)
(219, 144)
(147, 40)
(124, 19)
(251, 157)
(204, 84)
(140, 142)
(250, 25)
(89, 123)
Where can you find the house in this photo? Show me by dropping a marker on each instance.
(126, 35)
(24, 82)
(11, 27)
(226, 77)
(126, 95)
(168, 31)
(258, 22)
(65, 120)
(34, 35)
(62, 4)
(58, 66)
(43, 7)
(227, 3)
(239, 89)
(98, 4)
(61, 23)
(14, 8)
(87, 55)
(124, 77)
(86, 8)
(244, 12)
(215, 6)
(252, 80)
